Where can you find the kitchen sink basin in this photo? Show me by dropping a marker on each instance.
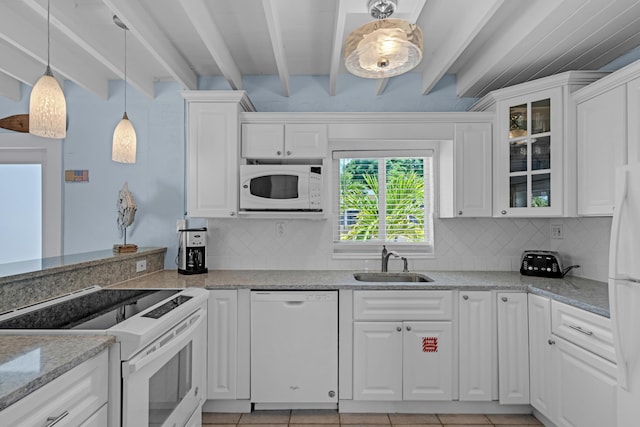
(391, 277)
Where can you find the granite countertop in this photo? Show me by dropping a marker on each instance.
(586, 294)
(27, 362)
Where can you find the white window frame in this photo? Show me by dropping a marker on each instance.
(28, 149)
(386, 148)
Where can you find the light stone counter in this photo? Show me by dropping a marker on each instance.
(27, 362)
(586, 294)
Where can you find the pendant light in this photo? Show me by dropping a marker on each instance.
(123, 148)
(385, 47)
(47, 106)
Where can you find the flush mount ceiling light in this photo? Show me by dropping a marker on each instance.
(47, 106)
(383, 48)
(123, 148)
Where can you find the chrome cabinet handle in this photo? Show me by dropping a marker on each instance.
(465, 297)
(288, 153)
(551, 342)
(51, 421)
(279, 152)
(459, 212)
(232, 214)
(408, 328)
(503, 212)
(399, 329)
(505, 299)
(579, 329)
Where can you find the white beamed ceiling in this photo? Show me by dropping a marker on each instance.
(487, 44)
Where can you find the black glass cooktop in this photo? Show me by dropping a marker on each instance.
(94, 311)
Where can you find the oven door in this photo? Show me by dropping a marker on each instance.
(163, 384)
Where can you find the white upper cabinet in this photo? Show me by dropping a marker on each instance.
(284, 141)
(465, 167)
(633, 122)
(212, 152)
(534, 146)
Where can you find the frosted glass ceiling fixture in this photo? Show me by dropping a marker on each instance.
(47, 106)
(385, 47)
(123, 149)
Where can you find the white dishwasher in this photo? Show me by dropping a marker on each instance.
(294, 347)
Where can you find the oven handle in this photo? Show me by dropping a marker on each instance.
(168, 343)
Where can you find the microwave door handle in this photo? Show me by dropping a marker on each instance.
(167, 344)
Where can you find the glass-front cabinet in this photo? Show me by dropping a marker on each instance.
(529, 155)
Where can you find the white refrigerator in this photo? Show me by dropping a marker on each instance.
(624, 291)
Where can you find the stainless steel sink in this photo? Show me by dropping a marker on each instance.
(391, 277)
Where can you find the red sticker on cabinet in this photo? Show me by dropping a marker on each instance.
(429, 344)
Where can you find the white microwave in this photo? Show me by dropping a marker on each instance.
(281, 188)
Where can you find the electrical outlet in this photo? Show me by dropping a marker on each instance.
(141, 265)
(181, 224)
(556, 231)
(280, 229)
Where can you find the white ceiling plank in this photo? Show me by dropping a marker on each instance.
(133, 14)
(275, 32)
(19, 66)
(87, 41)
(336, 50)
(470, 23)
(10, 87)
(209, 32)
(509, 36)
(31, 39)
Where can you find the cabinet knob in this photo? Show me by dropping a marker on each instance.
(279, 153)
(331, 393)
(465, 297)
(408, 328)
(288, 153)
(459, 212)
(505, 299)
(399, 329)
(551, 342)
(503, 212)
(232, 214)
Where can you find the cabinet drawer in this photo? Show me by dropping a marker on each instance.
(585, 329)
(78, 393)
(403, 305)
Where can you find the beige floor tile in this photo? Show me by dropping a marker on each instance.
(364, 419)
(265, 417)
(263, 425)
(406, 419)
(464, 419)
(466, 425)
(418, 425)
(514, 419)
(314, 425)
(218, 425)
(219, 418)
(314, 417)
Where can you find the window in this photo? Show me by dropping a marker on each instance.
(396, 182)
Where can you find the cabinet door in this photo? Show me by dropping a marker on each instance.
(377, 361)
(513, 348)
(427, 361)
(602, 127)
(262, 141)
(529, 155)
(212, 187)
(633, 112)
(586, 387)
(222, 334)
(540, 352)
(473, 169)
(305, 141)
(476, 344)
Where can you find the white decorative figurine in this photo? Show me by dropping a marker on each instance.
(126, 214)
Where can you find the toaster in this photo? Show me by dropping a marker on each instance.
(541, 263)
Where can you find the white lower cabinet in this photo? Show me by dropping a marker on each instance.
(476, 345)
(513, 348)
(76, 398)
(228, 345)
(403, 361)
(570, 385)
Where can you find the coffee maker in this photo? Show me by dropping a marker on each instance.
(192, 251)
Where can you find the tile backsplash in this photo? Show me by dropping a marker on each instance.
(484, 244)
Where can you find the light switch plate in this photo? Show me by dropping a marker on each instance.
(556, 231)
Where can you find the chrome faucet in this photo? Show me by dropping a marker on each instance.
(385, 260)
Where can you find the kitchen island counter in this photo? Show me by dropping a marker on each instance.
(27, 362)
(586, 294)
